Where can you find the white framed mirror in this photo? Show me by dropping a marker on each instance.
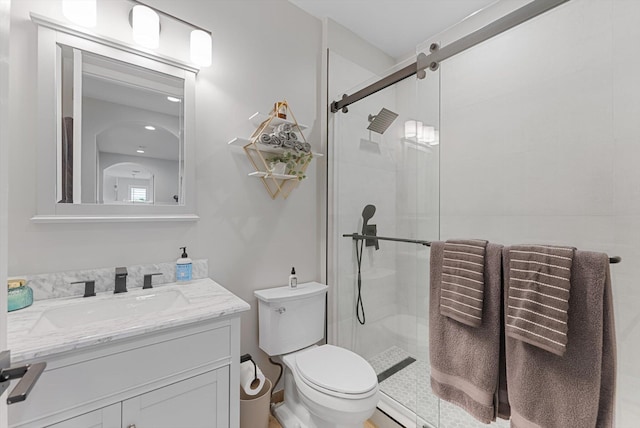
(115, 130)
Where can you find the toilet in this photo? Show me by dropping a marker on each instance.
(324, 386)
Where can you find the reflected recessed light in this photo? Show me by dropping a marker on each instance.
(140, 151)
(150, 128)
(174, 99)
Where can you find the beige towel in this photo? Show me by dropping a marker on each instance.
(576, 390)
(462, 289)
(540, 286)
(465, 360)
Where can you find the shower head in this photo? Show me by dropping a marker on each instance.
(367, 213)
(381, 121)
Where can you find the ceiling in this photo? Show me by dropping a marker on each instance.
(127, 137)
(394, 26)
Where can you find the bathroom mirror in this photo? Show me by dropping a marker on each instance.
(115, 131)
(129, 120)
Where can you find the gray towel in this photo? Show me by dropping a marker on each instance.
(465, 360)
(463, 281)
(576, 390)
(265, 139)
(539, 290)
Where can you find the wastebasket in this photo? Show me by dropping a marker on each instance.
(254, 409)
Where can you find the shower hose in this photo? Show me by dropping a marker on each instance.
(359, 306)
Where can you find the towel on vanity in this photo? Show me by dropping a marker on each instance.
(576, 390)
(464, 359)
(539, 290)
(462, 287)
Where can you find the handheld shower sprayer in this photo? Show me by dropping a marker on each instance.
(367, 213)
(369, 230)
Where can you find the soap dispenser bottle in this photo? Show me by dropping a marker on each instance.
(183, 267)
(293, 279)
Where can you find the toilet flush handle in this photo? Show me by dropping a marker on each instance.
(281, 310)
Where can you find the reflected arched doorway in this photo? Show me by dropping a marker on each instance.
(127, 183)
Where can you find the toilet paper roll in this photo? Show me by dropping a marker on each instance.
(249, 384)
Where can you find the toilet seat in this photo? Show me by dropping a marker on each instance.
(337, 372)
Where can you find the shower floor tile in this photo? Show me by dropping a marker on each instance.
(387, 359)
(411, 388)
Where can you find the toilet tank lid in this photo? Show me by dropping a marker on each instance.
(281, 294)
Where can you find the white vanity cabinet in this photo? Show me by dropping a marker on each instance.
(199, 402)
(186, 377)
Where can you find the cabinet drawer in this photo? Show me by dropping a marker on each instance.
(119, 374)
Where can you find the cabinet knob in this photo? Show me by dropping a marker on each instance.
(132, 426)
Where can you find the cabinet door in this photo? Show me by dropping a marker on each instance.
(107, 417)
(199, 402)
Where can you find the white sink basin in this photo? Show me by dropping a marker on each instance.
(118, 306)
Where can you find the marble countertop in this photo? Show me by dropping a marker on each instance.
(207, 300)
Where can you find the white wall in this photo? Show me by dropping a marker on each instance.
(540, 143)
(263, 52)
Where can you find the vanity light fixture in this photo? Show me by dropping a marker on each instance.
(173, 99)
(150, 128)
(81, 12)
(145, 22)
(201, 48)
(146, 26)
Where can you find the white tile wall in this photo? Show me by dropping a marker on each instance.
(540, 142)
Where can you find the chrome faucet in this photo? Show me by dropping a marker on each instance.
(121, 280)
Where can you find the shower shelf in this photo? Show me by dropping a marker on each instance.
(275, 184)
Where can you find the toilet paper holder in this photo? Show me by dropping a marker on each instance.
(247, 357)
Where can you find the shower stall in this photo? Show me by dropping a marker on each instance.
(493, 144)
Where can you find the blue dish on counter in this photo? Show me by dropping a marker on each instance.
(19, 295)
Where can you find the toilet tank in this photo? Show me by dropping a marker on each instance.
(291, 318)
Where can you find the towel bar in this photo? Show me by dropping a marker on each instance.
(356, 237)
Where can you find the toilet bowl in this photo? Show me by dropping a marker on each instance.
(324, 386)
(327, 387)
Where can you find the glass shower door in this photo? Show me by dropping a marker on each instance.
(384, 318)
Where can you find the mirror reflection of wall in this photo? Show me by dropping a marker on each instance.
(118, 119)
